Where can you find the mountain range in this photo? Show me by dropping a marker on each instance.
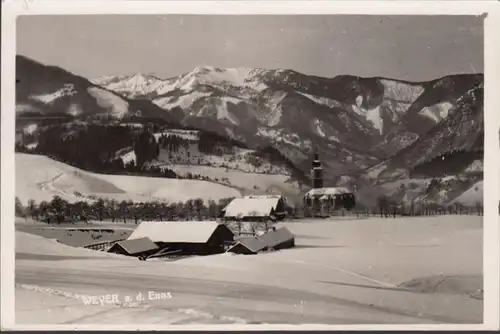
(369, 128)
(352, 121)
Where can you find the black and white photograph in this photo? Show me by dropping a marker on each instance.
(189, 169)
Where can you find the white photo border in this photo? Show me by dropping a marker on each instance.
(488, 9)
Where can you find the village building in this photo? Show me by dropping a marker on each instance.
(134, 247)
(186, 237)
(279, 238)
(322, 201)
(274, 239)
(256, 208)
(248, 246)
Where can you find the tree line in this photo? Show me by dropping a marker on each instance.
(388, 207)
(94, 147)
(59, 211)
(209, 142)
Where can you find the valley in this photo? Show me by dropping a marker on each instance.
(254, 130)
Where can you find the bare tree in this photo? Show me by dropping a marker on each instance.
(479, 208)
(32, 209)
(383, 205)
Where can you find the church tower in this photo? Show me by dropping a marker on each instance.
(317, 172)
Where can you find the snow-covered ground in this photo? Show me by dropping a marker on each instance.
(249, 183)
(472, 195)
(117, 106)
(40, 178)
(343, 271)
(67, 90)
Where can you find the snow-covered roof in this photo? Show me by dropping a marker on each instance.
(135, 246)
(267, 240)
(253, 244)
(252, 206)
(276, 237)
(178, 231)
(261, 196)
(328, 191)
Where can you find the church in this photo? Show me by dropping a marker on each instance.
(322, 201)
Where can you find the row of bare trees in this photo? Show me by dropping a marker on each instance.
(388, 208)
(59, 210)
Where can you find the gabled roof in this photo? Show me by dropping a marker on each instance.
(276, 237)
(178, 231)
(136, 246)
(252, 206)
(267, 240)
(253, 244)
(328, 191)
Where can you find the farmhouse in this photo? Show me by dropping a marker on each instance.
(256, 208)
(186, 237)
(134, 247)
(275, 239)
(322, 201)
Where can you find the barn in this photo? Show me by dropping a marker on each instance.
(256, 208)
(275, 239)
(134, 247)
(186, 237)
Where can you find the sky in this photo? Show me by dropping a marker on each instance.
(413, 48)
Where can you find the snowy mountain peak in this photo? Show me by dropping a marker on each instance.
(144, 77)
(204, 68)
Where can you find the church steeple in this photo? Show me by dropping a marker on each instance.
(317, 171)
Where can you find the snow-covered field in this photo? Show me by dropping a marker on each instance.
(117, 106)
(249, 183)
(343, 271)
(472, 195)
(40, 178)
(78, 235)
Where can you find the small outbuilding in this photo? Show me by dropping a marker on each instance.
(248, 246)
(278, 238)
(274, 239)
(134, 247)
(186, 237)
(256, 208)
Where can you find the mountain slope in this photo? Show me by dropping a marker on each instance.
(39, 178)
(354, 122)
(449, 147)
(379, 128)
(48, 91)
(66, 117)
